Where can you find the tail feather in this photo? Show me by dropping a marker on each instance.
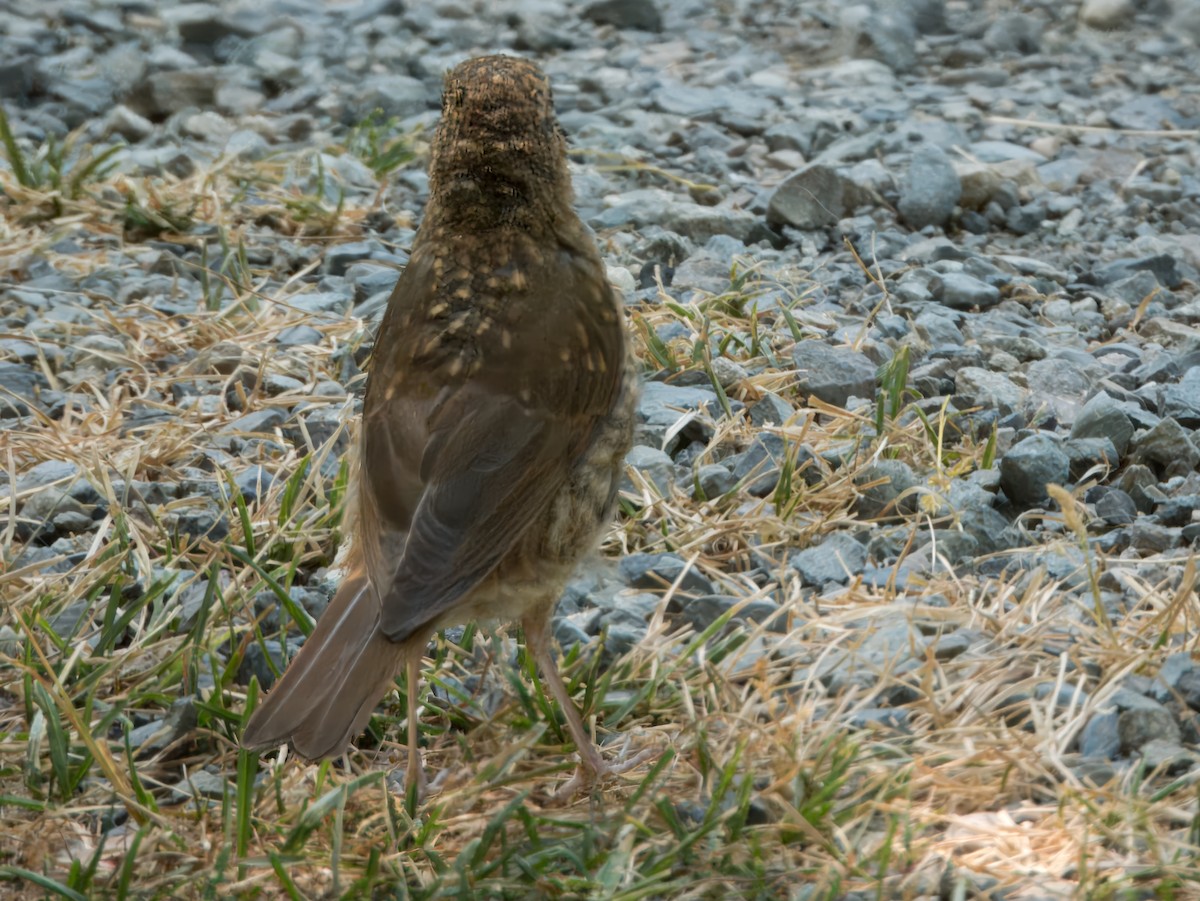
(328, 692)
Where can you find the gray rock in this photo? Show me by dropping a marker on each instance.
(1116, 507)
(1147, 113)
(989, 528)
(45, 505)
(622, 634)
(1186, 20)
(662, 407)
(254, 483)
(1136, 480)
(70, 619)
(99, 352)
(771, 409)
(1087, 453)
(659, 571)
(891, 39)
(161, 93)
(1094, 772)
(11, 642)
(1107, 14)
(927, 16)
(930, 190)
(265, 421)
(321, 426)
(838, 558)
(1188, 686)
(712, 481)
(816, 130)
(810, 198)
(297, 335)
(1064, 696)
(999, 151)
(20, 388)
(955, 644)
(334, 303)
(1031, 465)
(1162, 266)
(254, 663)
(201, 785)
(1015, 33)
(1027, 218)
(576, 628)
(203, 23)
(701, 223)
(639, 14)
(951, 546)
(833, 374)
(191, 599)
(70, 522)
(892, 495)
(1181, 401)
(200, 519)
(327, 388)
(1177, 511)
(701, 612)
(1062, 381)
(207, 126)
(1167, 447)
(1137, 726)
(978, 387)
(980, 184)
(637, 604)
(875, 718)
(339, 258)
(960, 291)
(121, 120)
(654, 466)
(746, 662)
(937, 327)
(275, 384)
(180, 719)
(1151, 537)
(1103, 417)
(17, 76)
(865, 184)
(1160, 366)
(1169, 757)
(392, 94)
(1100, 737)
(707, 270)
(760, 464)
(222, 358)
(1135, 288)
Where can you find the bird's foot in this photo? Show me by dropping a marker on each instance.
(594, 769)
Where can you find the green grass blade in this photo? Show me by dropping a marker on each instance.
(44, 882)
(12, 150)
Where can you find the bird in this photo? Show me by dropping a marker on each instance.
(499, 407)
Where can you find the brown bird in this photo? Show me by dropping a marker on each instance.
(498, 412)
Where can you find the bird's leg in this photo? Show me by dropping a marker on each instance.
(593, 767)
(537, 642)
(415, 777)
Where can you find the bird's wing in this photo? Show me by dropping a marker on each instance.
(468, 466)
(491, 468)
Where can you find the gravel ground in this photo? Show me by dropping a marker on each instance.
(915, 284)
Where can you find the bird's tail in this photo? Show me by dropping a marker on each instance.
(327, 694)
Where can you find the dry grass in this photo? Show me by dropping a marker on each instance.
(765, 782)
